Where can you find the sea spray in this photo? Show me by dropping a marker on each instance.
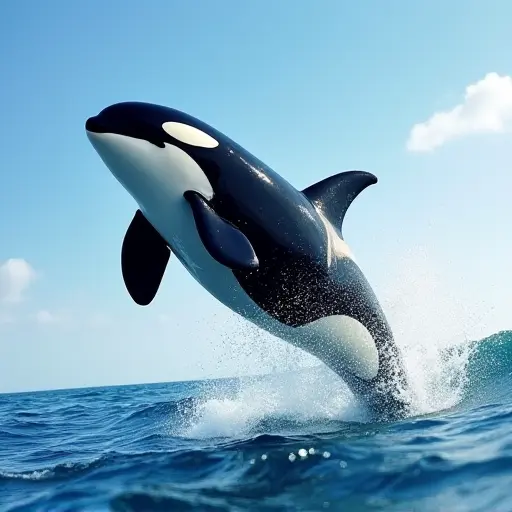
(432, 326)
(290, 401)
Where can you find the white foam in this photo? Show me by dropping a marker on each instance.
(432, 326)
(34, 475)
(303, 397)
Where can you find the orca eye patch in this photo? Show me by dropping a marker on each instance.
(189, 135)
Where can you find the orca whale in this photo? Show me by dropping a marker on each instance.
(268, 251)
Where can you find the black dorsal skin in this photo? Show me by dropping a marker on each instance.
(287, 263)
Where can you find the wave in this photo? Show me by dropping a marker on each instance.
(299, 438)
(306, 401)
(314, 399)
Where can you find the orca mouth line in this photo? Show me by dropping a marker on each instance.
(222, 239)
(108, 124)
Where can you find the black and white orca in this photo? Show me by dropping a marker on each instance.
(269, 252)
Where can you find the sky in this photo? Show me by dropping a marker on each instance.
(420, 94)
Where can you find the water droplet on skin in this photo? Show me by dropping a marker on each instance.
(303, 453)
(311, 451)
(292, 457)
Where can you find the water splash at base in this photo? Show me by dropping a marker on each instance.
(432, 327)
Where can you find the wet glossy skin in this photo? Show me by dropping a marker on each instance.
(277, 214)
(297, 280)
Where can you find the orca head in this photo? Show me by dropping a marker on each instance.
(173, 165)
(149, 149)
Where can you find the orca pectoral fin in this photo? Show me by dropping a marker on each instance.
(225, 242)
(144, 258)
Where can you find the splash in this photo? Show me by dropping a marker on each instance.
(432, 326)
(286, 402)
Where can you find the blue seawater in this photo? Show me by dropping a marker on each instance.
(295, 441)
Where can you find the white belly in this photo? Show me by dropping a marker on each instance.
(336, 340)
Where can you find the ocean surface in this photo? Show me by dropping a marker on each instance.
(290, 441)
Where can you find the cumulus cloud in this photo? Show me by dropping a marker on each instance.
(61, 318)
(45, 317)
(487, 108)
(16, 275)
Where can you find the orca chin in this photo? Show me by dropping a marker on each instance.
(269, 252)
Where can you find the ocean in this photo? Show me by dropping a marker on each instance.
(294, 441)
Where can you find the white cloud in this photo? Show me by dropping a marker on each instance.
(45, 317)
(16, 275)
(487, 108)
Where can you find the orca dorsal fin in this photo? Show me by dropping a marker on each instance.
(333, 195)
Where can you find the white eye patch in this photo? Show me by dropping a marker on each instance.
(189, 135)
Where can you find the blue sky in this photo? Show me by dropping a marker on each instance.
(312, 89)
